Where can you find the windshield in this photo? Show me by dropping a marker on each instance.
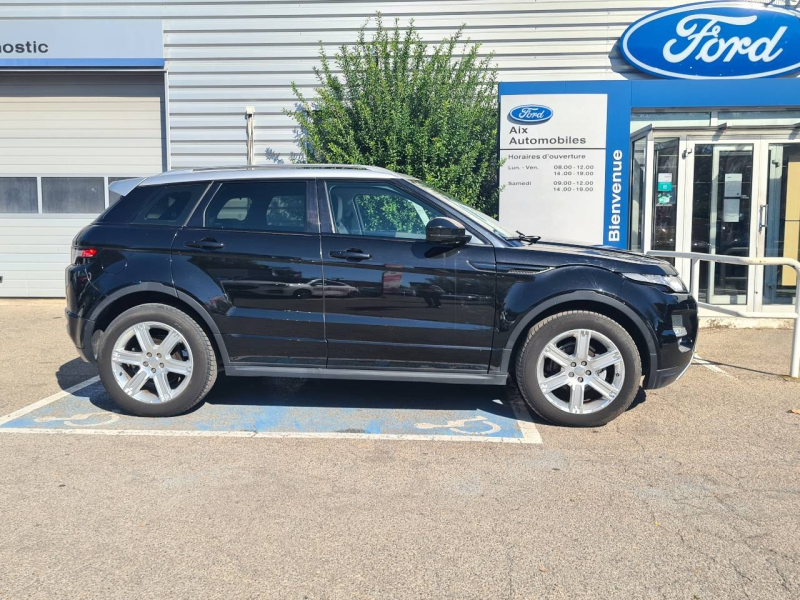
(491, 224)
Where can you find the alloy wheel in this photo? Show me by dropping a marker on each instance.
(580, 371)
(152, 362)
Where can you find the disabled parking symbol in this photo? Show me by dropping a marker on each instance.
(92, 419)
(457, 426)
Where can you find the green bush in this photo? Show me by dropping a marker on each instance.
(398, 103)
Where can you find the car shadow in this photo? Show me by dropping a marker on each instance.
(321, 393)
(74, 372)
(372, 395)
(639, 399)
(502, 401)
(717, 363)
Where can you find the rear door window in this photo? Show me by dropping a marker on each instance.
(275, 206)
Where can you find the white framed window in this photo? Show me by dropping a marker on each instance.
(56, 195)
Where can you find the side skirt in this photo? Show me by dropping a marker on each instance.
(366, 375)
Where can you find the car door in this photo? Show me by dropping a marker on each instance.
(250, 253)
(408, 304)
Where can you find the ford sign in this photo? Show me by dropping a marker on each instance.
(530, 113)
(709, 40)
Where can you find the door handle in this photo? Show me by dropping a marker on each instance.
(762, 217)
(350, 254)
(205, 244)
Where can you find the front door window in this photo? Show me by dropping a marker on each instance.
(378, 210)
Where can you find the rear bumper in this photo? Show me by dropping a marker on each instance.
(76, 329)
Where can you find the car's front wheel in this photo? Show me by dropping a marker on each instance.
(156, 361)
(578, 368)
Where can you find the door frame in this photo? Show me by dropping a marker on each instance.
(755, 195)
(769, 218)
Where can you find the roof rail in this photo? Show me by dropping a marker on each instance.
(291, 166)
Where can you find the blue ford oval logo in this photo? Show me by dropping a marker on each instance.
(733, 40)
(530, 113)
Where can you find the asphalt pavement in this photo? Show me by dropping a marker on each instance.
(692, 493)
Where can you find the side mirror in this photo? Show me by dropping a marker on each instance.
(446, 231)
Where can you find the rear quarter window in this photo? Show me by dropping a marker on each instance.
(156, 205)
(127, 207)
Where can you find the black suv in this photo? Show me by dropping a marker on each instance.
(360, 273)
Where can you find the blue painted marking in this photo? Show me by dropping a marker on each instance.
(303, 406)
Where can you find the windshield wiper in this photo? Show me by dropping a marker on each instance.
(529, 239)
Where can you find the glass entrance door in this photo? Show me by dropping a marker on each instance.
(702, 195)
(667, 201)
(779, 223)
(721, 207)
(731, 193)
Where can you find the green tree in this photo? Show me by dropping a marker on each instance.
(399, 103)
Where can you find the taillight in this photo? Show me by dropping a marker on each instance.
(81, 255)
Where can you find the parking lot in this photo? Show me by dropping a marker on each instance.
(313, 489)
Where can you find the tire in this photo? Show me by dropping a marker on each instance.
(302, 294)
(604, 394)
(189, 366)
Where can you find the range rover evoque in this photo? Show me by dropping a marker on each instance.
(360, 273)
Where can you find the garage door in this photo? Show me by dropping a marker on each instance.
(63, 137)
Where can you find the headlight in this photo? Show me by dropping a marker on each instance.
(673, 282)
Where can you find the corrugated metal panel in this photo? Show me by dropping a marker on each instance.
(90, 124)
(81, 123)
(34, 252)
(225, 55)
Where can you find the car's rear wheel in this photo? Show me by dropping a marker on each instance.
(578, 368)
(156, 361)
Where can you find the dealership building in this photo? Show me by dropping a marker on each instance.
(644, 125)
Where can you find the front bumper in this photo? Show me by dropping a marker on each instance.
(663, 377)
(677, 338)
(76, 328)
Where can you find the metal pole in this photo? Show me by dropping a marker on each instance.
(794, 368)
(249, 115)
(695, 283)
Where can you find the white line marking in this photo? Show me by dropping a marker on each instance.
(49, 400)
(703, 362)
(276, 434)
(530, 434)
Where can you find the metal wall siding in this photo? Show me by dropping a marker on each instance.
(34, 252)
(223, 56)
(80, 123)
(69, 124)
